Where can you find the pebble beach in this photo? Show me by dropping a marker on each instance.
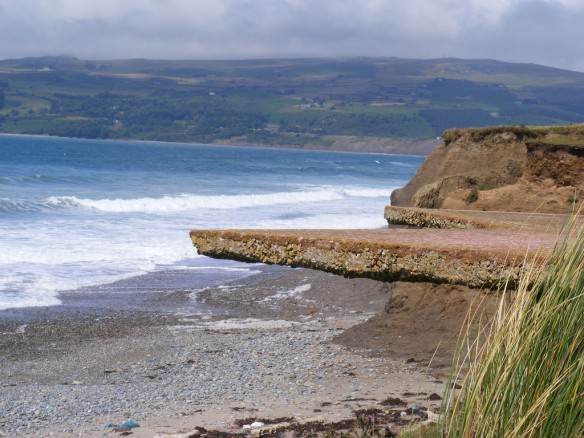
(172, 359)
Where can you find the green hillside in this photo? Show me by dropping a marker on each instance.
(284, 102)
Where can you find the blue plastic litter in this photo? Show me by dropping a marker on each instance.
(128, 424)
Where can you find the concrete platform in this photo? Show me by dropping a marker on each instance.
(478, 257)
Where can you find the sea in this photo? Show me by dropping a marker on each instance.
(80, 213)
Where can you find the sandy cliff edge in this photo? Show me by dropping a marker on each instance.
(505, 168)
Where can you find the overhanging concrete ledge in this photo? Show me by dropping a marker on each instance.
(475, 258)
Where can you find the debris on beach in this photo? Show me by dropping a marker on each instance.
(253, 425)
(128, 425)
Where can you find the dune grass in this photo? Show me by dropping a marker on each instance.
(524, 374)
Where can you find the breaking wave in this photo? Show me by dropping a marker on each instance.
(196, 202)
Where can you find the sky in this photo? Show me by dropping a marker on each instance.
(547, 32)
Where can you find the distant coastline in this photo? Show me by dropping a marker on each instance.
(361, 145)
(379, 145)
(378, 105)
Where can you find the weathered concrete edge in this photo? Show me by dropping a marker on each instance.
(421, 218)
(361, 259)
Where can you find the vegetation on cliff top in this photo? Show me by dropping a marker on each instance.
(564, 135)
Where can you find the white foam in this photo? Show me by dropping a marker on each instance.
(25, 291)
(368, 193)
(223, 202)
(213, 268)
(194, 202)
(299, 290)
(288, 293)
(239, 324)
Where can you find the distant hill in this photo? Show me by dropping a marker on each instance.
(369, 104)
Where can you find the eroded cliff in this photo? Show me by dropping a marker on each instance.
(505, 168)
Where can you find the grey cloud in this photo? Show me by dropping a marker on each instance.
(533, 32)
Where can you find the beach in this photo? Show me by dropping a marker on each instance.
(285, 342)
(108, 314)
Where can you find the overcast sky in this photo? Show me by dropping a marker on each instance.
(548, 32)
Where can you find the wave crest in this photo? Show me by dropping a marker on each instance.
(220, 202)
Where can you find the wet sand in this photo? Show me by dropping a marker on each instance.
(284, 343)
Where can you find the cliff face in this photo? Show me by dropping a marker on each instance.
(501, 168)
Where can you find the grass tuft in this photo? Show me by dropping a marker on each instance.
(525, 370)
(473, 196)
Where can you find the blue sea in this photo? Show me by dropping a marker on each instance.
(78, 213)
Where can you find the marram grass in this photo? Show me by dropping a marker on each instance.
(525, 372)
